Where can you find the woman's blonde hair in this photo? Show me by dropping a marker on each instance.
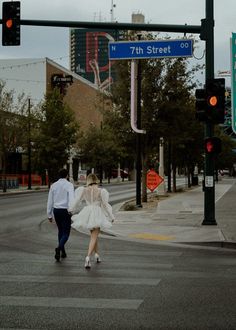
(92, 179)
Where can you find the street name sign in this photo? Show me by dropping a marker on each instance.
(121, 50)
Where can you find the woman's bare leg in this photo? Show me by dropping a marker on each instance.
(96, 246)
(93, 241)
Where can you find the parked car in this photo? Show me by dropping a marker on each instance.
(225, 171)
(124, 174)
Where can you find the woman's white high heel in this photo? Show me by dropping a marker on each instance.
(87, 264)
(97, 258)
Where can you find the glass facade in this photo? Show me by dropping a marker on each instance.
(89, 55)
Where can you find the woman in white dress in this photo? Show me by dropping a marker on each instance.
(96, 215)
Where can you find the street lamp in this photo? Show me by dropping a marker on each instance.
(29, 146)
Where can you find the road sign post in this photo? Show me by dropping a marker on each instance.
(233, 80)
(209, 189)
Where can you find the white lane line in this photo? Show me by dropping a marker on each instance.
(79, 280)
(55, 302)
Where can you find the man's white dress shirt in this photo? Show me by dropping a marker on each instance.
(61, 195)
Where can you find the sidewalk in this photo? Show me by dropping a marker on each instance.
(23, 190)
(176, 219)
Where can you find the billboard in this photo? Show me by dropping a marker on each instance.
(89, 55)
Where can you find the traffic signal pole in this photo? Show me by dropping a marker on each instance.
(209, 182)
(139, 138)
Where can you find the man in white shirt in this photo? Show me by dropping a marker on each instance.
(61, 195)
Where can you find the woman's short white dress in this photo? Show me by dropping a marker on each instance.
(96, 214)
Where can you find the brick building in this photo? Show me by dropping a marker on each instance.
(82, 96)
(35, 77)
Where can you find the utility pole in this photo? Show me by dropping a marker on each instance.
(112, 10)
(29, 145)
(138, 138)
(209, 182)
(161, 188)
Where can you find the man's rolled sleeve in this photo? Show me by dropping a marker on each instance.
(50, 204)
(71, 198)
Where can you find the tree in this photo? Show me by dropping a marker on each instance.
(227, 157)
(100, 149)
(12, 132)
(182, 132)
(167, 108)
(57, 133)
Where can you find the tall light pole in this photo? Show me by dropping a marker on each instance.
(138, 137)
(161, 188)
(112, 10)
(29, 146)
(209, 189)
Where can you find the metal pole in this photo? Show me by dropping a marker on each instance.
(209, 189)
(138, 138)
(114, 26)
(161, 188)
(112, 11)
(169, 167)
(29, 146)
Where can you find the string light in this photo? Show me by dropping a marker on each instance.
(25, 80)
(29, 63)
(13, 66)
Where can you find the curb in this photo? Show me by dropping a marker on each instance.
(12, 193)
(222, 244)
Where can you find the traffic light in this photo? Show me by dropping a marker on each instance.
(200, 104)
(212, 145)
(215, 100)
(210, 102)
(11, 23)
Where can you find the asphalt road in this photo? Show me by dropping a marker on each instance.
(137, 285)
(22, 210)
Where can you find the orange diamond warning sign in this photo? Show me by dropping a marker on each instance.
(153, 180)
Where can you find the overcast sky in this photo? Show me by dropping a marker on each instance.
(39, 42)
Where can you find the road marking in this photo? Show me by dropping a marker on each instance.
(79, 280)
(74, 254)
(144, 253)
(155, 237)
(59, 302)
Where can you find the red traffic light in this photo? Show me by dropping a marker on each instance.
(9, 23)
(212, 145)
(212, 101)
(209, 146)
(215, 100)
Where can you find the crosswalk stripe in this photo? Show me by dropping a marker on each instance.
(99, 303)
(79, 280)
(104, 265)
(48, 252)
